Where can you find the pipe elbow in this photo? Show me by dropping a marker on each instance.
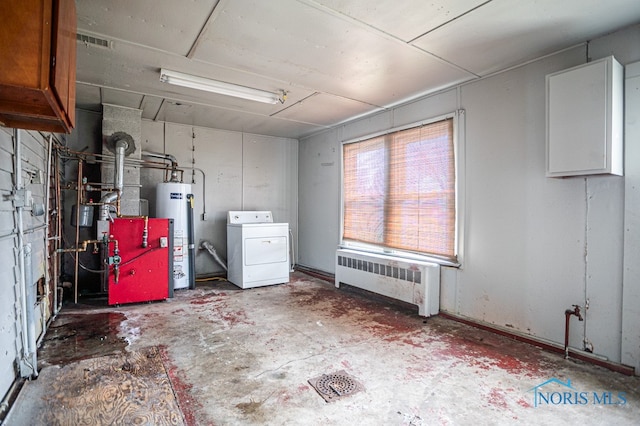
(171, 158)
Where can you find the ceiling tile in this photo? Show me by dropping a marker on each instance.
(150, 106)
(88, 97)
(325, 110)
(504, 33)
(350, 55)
(134, 68)
(172, 26)
(405, 19)
(219, 118)
(121, 98)
(313, 48)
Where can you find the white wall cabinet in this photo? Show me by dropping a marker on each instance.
(585, 120)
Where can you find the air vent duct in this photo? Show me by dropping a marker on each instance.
(93, 41)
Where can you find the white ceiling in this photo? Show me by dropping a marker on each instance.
(337, 59)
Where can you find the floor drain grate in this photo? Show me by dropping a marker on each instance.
(335, 386)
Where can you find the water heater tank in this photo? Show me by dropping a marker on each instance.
(171, 202)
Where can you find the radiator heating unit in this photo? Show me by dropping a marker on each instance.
(410, 281)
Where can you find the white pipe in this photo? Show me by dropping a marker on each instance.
(10, 395)
(47, 278)
(293, 254)
(31, 304)
(26, 326)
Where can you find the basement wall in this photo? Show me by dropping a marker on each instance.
(34, 157)
(531, 246)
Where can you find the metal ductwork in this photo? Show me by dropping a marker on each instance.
(121, 144)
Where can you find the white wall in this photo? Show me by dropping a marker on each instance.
(533, 246)
(34, 148)
(631, 278)
(8, 284)
(243, 172)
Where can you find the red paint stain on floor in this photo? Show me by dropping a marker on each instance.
(303, 388)
(521, 402)
(411, 342)
(497, 398)
(397, 323)
(208, 298)
(486, 350)
(182, 390)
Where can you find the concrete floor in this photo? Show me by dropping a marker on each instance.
(245, 357)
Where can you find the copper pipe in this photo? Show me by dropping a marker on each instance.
(78, 203)
(567, 317)
(82, 247)
(145, 233)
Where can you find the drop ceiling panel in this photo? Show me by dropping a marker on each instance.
(88, 97)
(219, 118)
(121, 98)
(406, 19)
(311, 47)
(355, 56)
(150, 106)
(325, 110)
(134, 68)
(166, 25)
(504, 33)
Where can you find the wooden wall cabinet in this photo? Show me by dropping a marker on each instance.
(585, 120)
(38, 65)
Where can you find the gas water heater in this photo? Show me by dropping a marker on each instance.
(175, 201)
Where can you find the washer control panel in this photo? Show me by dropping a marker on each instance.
(241, 217)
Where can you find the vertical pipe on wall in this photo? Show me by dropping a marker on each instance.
(47, 195)
(28, 368)
(57, 237)
(77, 255)
(585, 295)
(191, 243)
(31, 304)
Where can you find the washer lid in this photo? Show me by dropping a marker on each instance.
(240, 217)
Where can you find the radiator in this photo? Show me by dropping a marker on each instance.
(413, 282)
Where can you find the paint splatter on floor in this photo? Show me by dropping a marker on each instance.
(244, 357)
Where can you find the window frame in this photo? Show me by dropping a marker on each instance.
(458, 159)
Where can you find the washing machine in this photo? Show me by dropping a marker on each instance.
(257, 249)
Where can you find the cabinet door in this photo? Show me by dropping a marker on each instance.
(38, 65)
(584, 120)
(63, 63)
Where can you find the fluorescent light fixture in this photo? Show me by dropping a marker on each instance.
(219, 87)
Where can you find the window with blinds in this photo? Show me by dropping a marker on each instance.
(399, 190)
